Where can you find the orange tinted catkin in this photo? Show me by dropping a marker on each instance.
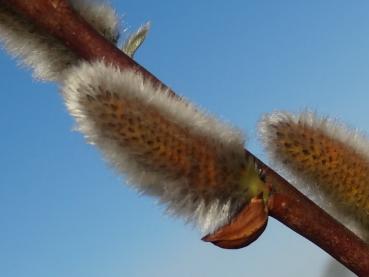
(166, 147)
(324, 155)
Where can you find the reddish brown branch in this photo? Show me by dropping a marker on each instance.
(286, 204)
(318, 227)
(59, 19)
(292, 208)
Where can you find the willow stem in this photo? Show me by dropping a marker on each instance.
(286, 204)
(295, 210)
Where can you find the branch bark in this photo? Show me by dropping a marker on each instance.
(286, 204)
(296, 211)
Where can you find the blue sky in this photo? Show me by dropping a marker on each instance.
(64, 212)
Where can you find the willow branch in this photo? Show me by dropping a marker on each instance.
(286, 204)
(296, 211)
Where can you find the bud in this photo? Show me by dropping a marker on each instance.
(165, 146)
(135, 40)
(325, 156)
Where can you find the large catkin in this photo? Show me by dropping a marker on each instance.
(332, 160)
(164, 145)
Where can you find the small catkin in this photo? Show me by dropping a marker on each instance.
(46, 55)
(166, 146)
(328, 157)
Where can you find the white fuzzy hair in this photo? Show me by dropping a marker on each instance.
(334, 129)
(46, 55)
(89, 78)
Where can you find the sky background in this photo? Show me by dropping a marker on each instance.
(64, 212)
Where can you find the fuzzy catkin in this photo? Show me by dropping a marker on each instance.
(166, 146)
(100, 15)
(44, 54)
(326, 156)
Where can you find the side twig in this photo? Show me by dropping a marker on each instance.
(286, 204)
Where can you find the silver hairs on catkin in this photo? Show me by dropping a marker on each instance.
(45, 55)
(325, 159)
(166, 146)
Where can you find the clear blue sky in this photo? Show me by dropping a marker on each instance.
(63, 212)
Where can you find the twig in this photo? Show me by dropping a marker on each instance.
(296, 211)
(286, 204)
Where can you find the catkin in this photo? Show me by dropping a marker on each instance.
(44, 54)
(165, 146)
(326, 156)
